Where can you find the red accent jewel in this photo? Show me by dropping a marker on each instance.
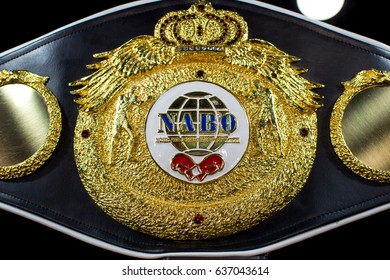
(304, 132)
(201, 8)
(198, 219)
(200, 74)
(85, 133)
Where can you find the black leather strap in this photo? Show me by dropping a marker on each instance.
(332, 193)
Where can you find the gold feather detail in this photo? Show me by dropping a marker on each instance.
(274, 64)
(112, 74)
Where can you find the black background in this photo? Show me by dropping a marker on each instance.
(367, 238)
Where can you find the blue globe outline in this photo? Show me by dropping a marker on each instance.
(218, 137)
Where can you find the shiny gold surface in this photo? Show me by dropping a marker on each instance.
(30, 123)
(121, 175)
(360, 125)
(366, 127)
(24, 123)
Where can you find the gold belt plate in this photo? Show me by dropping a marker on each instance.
(196, 132)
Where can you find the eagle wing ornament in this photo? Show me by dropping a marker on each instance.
(114, 71)
(113, 77)
(274, 64)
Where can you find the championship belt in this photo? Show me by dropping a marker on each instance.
(183, 128)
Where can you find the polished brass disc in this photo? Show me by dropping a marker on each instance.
(366, 127)
(24, 123)
(30, 123)
(360, 125)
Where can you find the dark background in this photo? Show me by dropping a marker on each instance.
(20, 238)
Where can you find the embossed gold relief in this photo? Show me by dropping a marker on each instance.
(30, 123)
(360, 128)
(196, 132)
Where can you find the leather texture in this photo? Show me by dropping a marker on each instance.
(332, 193)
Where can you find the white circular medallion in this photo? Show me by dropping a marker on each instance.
(197, 131)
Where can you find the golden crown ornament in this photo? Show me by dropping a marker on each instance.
(196, 132)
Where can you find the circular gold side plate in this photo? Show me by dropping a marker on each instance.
(359, 125)
(30, 125)
(124, 179)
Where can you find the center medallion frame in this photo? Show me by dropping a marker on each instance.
(272, 123)
(205, 136)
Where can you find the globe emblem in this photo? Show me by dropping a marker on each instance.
(198, 123)
(197, 131)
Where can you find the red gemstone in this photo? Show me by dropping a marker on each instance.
(200, 74)
(198, 219)
(85, 133)
(201, 8)
(304, 132)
